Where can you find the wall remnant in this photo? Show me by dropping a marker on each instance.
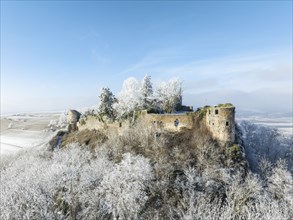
(73, 117)
(219, 120)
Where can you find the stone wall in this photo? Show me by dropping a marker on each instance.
(170, 122)
(221, 122)
(73, 117)
(92, 122)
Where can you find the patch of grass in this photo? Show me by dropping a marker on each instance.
(226, 105)
(82, 121)
(235, 152)
(199, 115)
(87, 137)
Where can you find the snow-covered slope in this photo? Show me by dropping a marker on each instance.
(284, 123)
(20, 131)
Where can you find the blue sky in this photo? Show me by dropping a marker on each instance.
(57, 55)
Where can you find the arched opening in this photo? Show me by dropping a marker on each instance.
(216, 111)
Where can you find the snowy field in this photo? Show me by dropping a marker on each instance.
(283, 124)
(20, 131)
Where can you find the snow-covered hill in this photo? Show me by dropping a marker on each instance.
(20, 131)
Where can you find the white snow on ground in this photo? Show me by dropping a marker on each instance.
(284, 124)
(20, 131)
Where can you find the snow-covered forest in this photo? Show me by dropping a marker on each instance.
(145, 173)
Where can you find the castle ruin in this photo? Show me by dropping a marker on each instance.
(219, 120)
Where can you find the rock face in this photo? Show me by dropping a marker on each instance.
(72, 119)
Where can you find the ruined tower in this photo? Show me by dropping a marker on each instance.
(220, 120)
(72, 119)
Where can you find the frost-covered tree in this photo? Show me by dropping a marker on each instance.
(263, 142)
(147, 91)
(52, 185)
(123, 190)
(60, 123)
(137, 96)
(280, 183)
(139, 175)
(169, 94)
(129, 98)
(107, 101)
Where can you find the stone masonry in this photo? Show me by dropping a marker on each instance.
(72, 119)
(220, 121)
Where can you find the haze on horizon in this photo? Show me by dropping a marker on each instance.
(58, 55)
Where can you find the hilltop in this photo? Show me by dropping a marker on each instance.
(142, 174)
(151, 160)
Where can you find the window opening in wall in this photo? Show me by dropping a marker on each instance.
(213, 124)
(120, 124)
(176, 122)
(227, 123)
(216, 111)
